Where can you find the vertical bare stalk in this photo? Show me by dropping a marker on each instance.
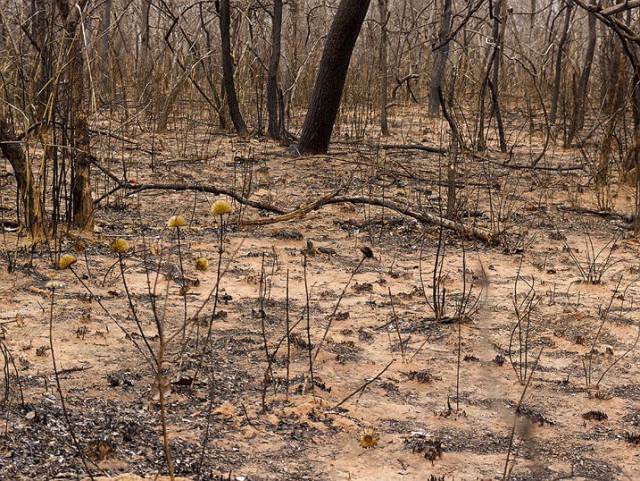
(396, 326)
(288, 333)
(307, 311)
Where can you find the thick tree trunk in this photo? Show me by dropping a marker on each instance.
(332, 74)
(28, 191)
(227, 69)
(275, 128)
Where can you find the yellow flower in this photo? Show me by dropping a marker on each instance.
(176, 221)
(66, 260)
(119, 246)
(221, 207)
(202, 264)
(368, 437)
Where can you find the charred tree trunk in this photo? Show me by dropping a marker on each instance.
(555, 92)
(42, 81)
(103, 48)
(635, 150)
(498, 37)
(273, 103)
(332, 74)
(440, 59)
(491, 80)
(227, 69)
(81, 200)
(383, 5)
(28, 191)
(581, 94)
(144, 63)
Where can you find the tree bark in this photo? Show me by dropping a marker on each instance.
(144, 62)
(441, 57)
(332, 74)
(227, 69)
(104, 33)
(28, 191)
(275, 127)
(42, 83)
(498, 37)
(581, 95)
(383, 6)
(81, 200)
(555, 92)
(493, 66)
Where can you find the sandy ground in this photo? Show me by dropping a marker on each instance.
(444, 394)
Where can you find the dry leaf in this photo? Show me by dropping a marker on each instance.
(226, 410)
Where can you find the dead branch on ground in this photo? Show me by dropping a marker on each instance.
(211, 189)
(424, 217)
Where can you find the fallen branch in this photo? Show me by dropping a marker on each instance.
(211, 189)
(508, 165)
(426, 148)
(628, 218)
(296, 214)
(424, 217)
(373, 145)
(332, 198)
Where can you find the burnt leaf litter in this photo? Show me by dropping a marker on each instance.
(234, 416)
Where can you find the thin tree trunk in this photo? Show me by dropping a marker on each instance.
(144, 64)
(227, 69)
(580, 100)
(555, 92)
(440, 61)
(452, 162)
(383, 5)
(534, 7)
(103, 47)
(635, 152)
(498, 37)
(81, 200)
(275, 128)
(28, 191)
(493, 66)
(42, 84)
(332, 74)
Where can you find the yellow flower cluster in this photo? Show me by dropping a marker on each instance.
(119, 246)
(202, 264)
(66, 261)
(176, 221)
(221, 207)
